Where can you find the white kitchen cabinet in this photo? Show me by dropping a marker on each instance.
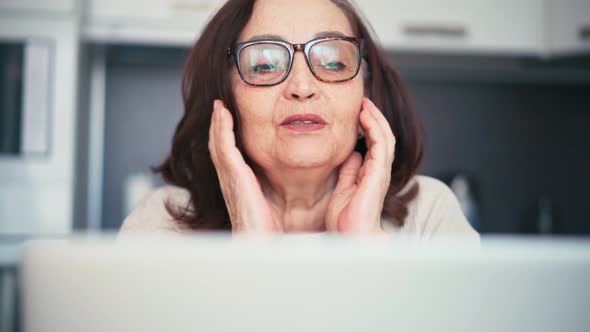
(36, 189)
(569, 27)
(38, 6)
(503, 27)
(459, 26)
(168, 22)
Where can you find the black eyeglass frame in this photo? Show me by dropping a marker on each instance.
(292, 48)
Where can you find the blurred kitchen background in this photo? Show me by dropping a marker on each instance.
(90, 96)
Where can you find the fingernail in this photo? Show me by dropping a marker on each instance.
(215, 105)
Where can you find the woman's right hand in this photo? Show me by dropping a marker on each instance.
(248, 209)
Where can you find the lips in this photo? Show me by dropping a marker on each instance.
(303, 119)
(303, 122)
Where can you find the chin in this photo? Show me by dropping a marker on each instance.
(311, 156)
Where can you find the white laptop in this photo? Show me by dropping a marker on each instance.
(298, 283)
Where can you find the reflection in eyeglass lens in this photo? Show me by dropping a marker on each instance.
(264, 63)
(334, 60)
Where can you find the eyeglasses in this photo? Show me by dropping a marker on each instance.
(268, 62)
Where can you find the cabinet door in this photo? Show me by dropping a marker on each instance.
(43, 6)
(458, 26)
(150, 21)
(569, 27)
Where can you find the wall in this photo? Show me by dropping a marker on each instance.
(521, 142)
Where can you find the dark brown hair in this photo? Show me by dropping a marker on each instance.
(206, 77)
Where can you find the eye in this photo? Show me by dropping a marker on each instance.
(264, 68)
(333, 65)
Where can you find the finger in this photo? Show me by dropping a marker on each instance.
(384, 125)
(215, 131)
(374, 137)
(224, 126)
(227, 156)
(348, 172)
(212, 142)
(225, 138)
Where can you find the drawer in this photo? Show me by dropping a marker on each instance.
(35, 207)
(39, 6)
(458, 26)
(169, 22)
(569, 27)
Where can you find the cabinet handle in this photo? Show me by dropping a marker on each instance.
(190, 6)
(584, 32)
(435, 30)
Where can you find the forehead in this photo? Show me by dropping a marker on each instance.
(295, 21)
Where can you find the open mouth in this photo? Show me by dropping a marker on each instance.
(304, 122)
(300, 123)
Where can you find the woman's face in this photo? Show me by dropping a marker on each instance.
(268, 140)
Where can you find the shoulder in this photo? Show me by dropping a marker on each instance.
(151, 213)
(432, 189)
(435, 211)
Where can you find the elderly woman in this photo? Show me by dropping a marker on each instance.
(294, 121)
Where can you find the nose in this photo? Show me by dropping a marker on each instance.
(301, 84)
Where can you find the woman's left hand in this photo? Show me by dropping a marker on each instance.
(357, 201)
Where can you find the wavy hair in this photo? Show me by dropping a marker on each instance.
(206, 77)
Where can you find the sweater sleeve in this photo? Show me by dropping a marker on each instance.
(435, 213)
(151, 216)
(444, 216)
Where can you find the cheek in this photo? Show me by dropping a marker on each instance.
(348, 106)
(255, 114)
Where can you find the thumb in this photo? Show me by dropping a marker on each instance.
(349, 172)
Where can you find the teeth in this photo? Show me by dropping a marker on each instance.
(305, 122)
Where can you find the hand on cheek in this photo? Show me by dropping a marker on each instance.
(248, 209)
(357, 201)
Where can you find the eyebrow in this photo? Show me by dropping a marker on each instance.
(323, 34)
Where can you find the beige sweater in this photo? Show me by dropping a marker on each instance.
(435, 212)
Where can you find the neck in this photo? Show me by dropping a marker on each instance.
(301, 198)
